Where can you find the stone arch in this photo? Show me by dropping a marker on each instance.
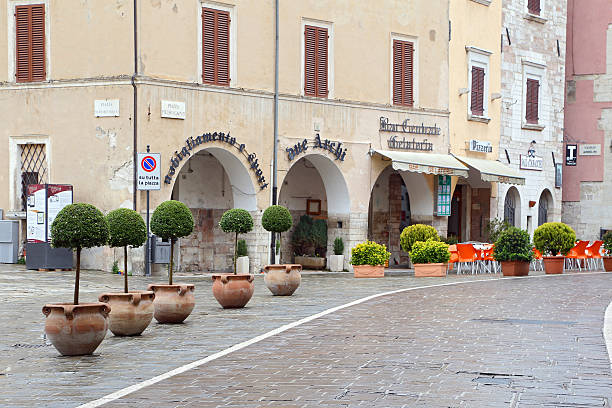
(545, 206)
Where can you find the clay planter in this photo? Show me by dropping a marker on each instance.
(553, 264)
(607, 261)
(284, 279)
(515, 268)
(310, 262)
(131, 312)
(233, 291)
(173, 303)
(430, 270)
(369, 271)
(76, 330)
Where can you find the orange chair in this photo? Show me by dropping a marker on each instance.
(594, 259)
(537, 260)
(487, 258)
(468, 256)
(454, 256)
(577, 253)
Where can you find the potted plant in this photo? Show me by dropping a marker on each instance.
(554, 240)
(309, 243)
(77, 328)
(513, 249)
(242, 263)
(429, 258)
(173, 302)
(415, 233)
(131, 311)
(234, 290)
(607, 244)
(368, 259)
(336, 261)
(280, 279)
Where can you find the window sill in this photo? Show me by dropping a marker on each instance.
(535, 17)
(481, 119)
(483, 2)
(533, 126)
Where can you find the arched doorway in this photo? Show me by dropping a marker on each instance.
(512, 207)
(544, 206)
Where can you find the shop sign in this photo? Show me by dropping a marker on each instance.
(173, 110)
(590, 150)
(443, 199)
(404, 127)
(106, 108)
(404, 144)
(221, 137)
(334, 148)
(529, 162)
(570, 154)
(479, 146)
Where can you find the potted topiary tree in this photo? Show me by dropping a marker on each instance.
(513, 249)
(242, 263)
(430, 258)
(172, 220)
(607, 244)
(554, 240)
(234, 290)
(280, 279)
(368, 259)
(77, 328)
(131, 311)
(336, 261)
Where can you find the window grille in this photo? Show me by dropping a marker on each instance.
(33, 168)
(509, 209)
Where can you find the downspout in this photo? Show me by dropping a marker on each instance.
(135, 107)
(274, 162)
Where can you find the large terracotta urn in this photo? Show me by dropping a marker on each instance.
(553, 264)
(515, 268)
(368, 271)
(283, 279)
(233, 290)
(76, 330)
(130, 313)
(172, 303)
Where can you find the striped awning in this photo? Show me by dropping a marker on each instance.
(493, 170)
(428, 163)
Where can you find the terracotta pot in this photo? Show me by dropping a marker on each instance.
(173, 303)
(553, 264)
(130, 313)
(430, 269)
(311, 262)
(76, 330)
(233, 291)
(607, 261)
(369, 271)
(515, 268)
(284, 279)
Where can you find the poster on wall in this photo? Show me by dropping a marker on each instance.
(35, 213)
(58, 196)
(443, 201)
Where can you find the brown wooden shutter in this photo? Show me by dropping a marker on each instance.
(477, 91)
(215, 47)
(532, 97)
(533, 6)
(30, 43)
(322, 90)
(403, 55)
(315, 61)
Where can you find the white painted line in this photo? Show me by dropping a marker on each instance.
(607, 331)
(136, 387)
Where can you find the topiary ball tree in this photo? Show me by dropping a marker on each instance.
(416, 233)
(277, 219)
(172, 220)
(554, 238)
(513, 244)
(79, 226)
(238, 221)
(126, 228)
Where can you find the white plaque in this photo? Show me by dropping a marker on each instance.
(106, 108)
(173, 110)
(532, 162)
(589, 150)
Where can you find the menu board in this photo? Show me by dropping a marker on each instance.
(58, 196)
(443, 200)
(35, 214)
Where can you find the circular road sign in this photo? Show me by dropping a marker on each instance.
(148, 164)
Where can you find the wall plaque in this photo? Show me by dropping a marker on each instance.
(590, 150)
(106, 108)
(173, 110)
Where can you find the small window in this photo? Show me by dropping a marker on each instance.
(215, 47)
(532, 95)
(533, 7)
(315, 61)
(30, 43)
(477, 91)
(403, 72)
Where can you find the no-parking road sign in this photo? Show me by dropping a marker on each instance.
(149, 173)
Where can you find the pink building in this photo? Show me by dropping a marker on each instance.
(587, 168)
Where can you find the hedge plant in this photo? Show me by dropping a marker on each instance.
(430, 251)
(238, 221)
(338, 246)
(513, 244)
(309, 237)
(416, 233)
(369, 253)
(277, 219)
(172, 220)
(607, 242)
(554, 238)
(79, 226)
(126, 228)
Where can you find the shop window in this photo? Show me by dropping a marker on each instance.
(33, 168)
(30, 53)
(403, 73)
(215, 46)
(316, 61)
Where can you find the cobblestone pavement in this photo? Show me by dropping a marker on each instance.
(533, 342)
(33, 374)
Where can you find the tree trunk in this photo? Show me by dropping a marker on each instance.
(76, 280)
(235, 252)
(125, 283)
(171, 261)
(280, 246)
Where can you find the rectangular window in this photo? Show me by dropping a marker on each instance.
(533, 6)
(531, 111)
(403, 90)
(215, 47)
(315, 61)
(477, 91)
(30, 43)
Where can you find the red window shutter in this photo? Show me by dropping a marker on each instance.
(533, 6)
(532, 97)
(310, 58)
(322, 90)
(30, 43)
(223, 38)
(403, 55)
(215, 47)
(477, 91)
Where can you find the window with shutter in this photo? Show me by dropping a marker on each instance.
(532, 95)
(215, 47)
(477, 91)
(30, 43)
(533, 6)
(315, 61)
(403, 54)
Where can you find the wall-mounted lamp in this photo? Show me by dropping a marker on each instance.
(463, 91)
(495, 96)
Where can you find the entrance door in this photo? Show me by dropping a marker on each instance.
(454, 221)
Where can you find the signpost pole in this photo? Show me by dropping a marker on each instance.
(148, 243)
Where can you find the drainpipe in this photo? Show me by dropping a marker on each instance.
(274, 162)
(135, 108)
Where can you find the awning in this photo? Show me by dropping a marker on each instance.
(430, 163)
(493, 170)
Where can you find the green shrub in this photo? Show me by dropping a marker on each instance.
(415, 233)
(238, 221)
(513, 244)
(319, 237)
(242, 248)
(429, 251)
(126, 228)
(553, 238)
(79, 226)
(607, 242)
(450, 240)
(369, 253)
(338, 246)
(171, 220)
(494, 228)
(301, 240)
(277, 219)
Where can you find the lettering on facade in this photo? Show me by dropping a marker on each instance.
(334, 148)
(479, 146)
(221, 137)
(529, 162)
(404, 127)
(395, 143)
